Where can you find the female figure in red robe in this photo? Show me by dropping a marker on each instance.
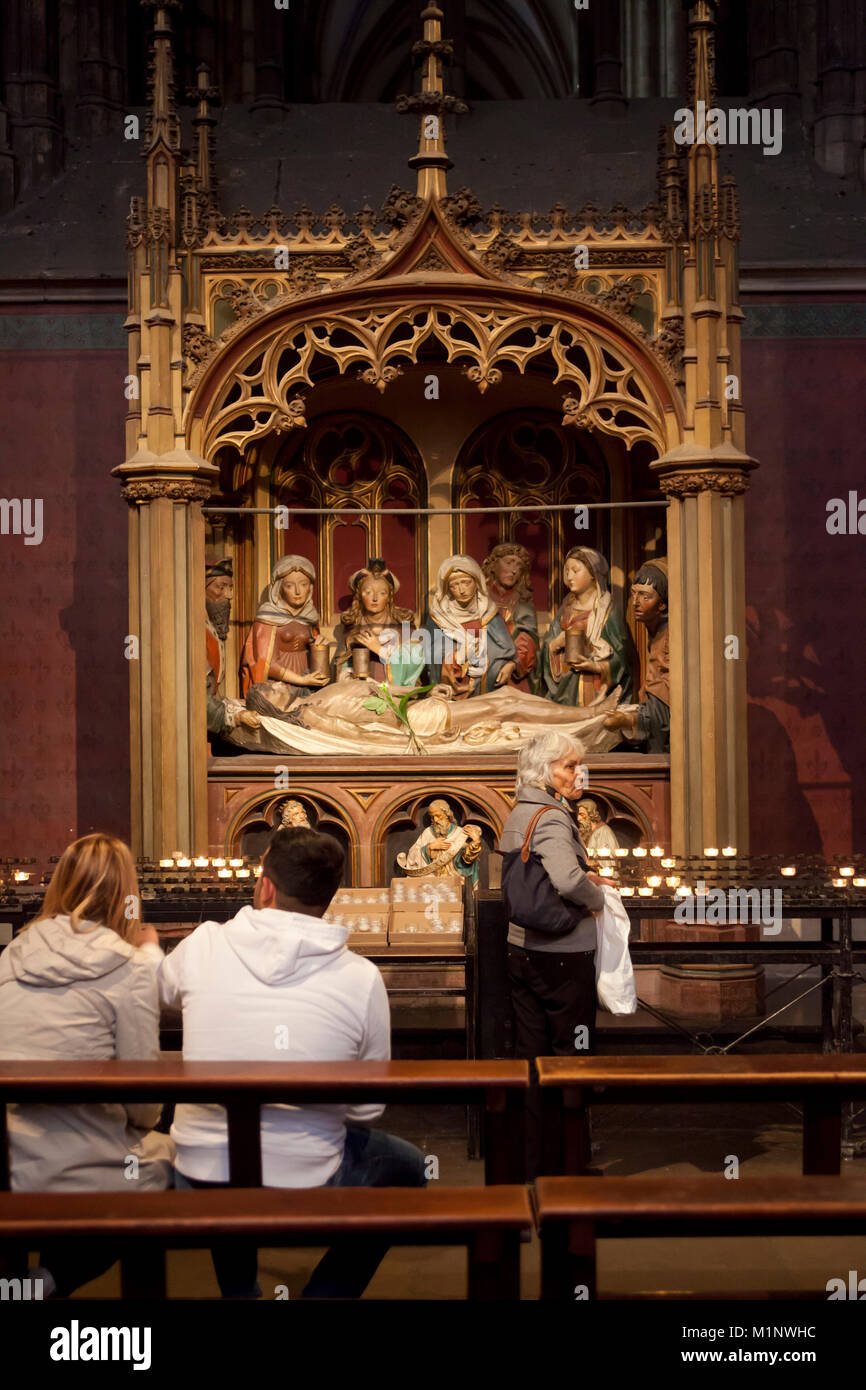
(287, 623)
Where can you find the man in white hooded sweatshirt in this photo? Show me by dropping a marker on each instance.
(276, 983)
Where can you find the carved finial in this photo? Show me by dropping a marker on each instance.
(431, 103)
(163, 125)
(671, 193)
(205, 96)
(702, 53)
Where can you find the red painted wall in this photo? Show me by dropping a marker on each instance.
(806, 423)
(64, 693)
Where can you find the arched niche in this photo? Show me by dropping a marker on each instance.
(404, 821)
(343, 459)
(528, 461)
(348, 460)
(248, 832)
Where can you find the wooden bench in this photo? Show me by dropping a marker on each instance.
(487, 1220)
(242, 1088)
(573, 1213)
(821, 1084)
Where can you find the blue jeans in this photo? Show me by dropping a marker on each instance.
(371, 1158)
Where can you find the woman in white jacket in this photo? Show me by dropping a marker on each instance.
(79, 983)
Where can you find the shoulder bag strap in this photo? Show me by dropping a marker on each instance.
(524, 853)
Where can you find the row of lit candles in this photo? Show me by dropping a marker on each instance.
(226, 868)
(237, 868)
(846, 871)
(180, 861)
(656, 851)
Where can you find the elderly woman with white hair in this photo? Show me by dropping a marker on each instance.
(548, 887)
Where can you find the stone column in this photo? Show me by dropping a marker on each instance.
(168, 734)
(7, 164)
(773, 55)
(30, 44)
(641, 38)
(709, 764)
(607, 59)
(706, 568)
(270, 46)
(97, 105)
(840, 44)
(672, 47)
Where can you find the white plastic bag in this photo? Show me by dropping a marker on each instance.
(614, 977)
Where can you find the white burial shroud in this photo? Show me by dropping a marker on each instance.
(336, 722)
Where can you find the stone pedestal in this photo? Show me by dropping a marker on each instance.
(710, 992)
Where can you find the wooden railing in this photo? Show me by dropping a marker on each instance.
(574, 1213)
(242, 1088)
(142, 1225)
(821, 1085)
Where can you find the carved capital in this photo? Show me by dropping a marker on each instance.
(175, 489)
(689, 482)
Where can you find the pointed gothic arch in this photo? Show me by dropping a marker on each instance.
(235, 318)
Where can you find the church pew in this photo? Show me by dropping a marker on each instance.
(243, 1087)
(573, 1213)
(820, 1084)
(487, 1220)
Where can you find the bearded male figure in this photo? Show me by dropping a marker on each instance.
(444, 848)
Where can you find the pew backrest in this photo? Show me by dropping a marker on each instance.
(244, 1087)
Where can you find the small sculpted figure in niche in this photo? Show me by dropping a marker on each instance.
(375, 622)
(222, 714)
(589, 625)
(444, 848)
(594, 829)
(650, 724)
(292, 814)
(506, 570)
(472, 649)
(285, 627)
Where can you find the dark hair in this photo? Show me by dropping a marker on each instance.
(656, 577)
(304, 864)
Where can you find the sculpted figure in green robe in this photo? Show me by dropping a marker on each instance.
(606, 653)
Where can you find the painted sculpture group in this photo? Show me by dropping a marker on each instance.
(476, 674)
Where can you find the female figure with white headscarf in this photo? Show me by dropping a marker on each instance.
(608, 651)
(472, 649)
(285, 626)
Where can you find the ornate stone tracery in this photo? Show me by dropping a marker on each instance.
(237, 318)
(610, 388)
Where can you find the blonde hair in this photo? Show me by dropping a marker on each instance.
(95, 881)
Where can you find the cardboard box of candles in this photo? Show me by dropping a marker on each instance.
(426, 910)
(365, 912)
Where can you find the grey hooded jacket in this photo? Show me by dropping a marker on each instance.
(83, 995)
(556, 840)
